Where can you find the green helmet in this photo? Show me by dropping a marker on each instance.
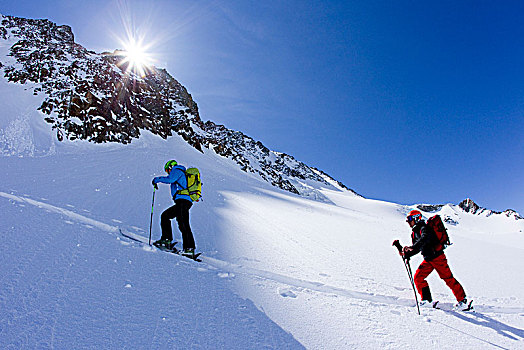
(170, 163)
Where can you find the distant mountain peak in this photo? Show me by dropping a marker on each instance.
(94, 97)
(469, 206)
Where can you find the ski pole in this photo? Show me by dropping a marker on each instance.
(406, 262)
(396, 243)
(151, 222)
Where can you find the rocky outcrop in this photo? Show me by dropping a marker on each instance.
(88, 96)
(469, 206)
(430, 208)
(96, 97)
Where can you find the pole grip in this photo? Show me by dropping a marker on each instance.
(153, 201)
(396, 243)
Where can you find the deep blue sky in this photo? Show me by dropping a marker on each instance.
(405, 101)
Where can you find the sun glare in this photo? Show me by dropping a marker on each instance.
(138, 38)
(136, 57)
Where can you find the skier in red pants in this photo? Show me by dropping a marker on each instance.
(425, 241)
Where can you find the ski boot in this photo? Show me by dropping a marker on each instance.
(428, 304)
(163, 244)
(463, 305)
(188, 252)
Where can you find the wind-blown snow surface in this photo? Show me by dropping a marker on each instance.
(279, 271)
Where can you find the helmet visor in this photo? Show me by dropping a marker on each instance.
(415, 218)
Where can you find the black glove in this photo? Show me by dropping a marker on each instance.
(154, 184)
(407, 252)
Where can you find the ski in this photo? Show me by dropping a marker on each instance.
(181, 253)
(170, 249)
(444, 307)
(176, 251)
(132, 236)
(173, 250)
(194, 257)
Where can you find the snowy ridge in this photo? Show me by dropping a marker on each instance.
(88, 96)
(471, 207)
(454, 214)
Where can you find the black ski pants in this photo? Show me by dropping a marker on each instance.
(180, 211)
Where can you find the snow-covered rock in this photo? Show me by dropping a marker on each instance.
(469, 206)
(95, 97)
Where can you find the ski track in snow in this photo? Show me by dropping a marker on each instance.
(229, 269)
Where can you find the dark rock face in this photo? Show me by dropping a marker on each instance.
(469, 206)
(428, 208)
(88, 96)
(473, 208)
(95, 97)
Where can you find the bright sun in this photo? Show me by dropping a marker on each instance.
(136, 39)
(136, 57)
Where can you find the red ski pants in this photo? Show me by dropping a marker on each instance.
(440, 264)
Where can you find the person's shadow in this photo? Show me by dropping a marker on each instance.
(480, 319)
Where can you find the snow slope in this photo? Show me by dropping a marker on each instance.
(70, 281)
(279, 271)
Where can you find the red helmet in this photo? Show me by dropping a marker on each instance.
(414, 215)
